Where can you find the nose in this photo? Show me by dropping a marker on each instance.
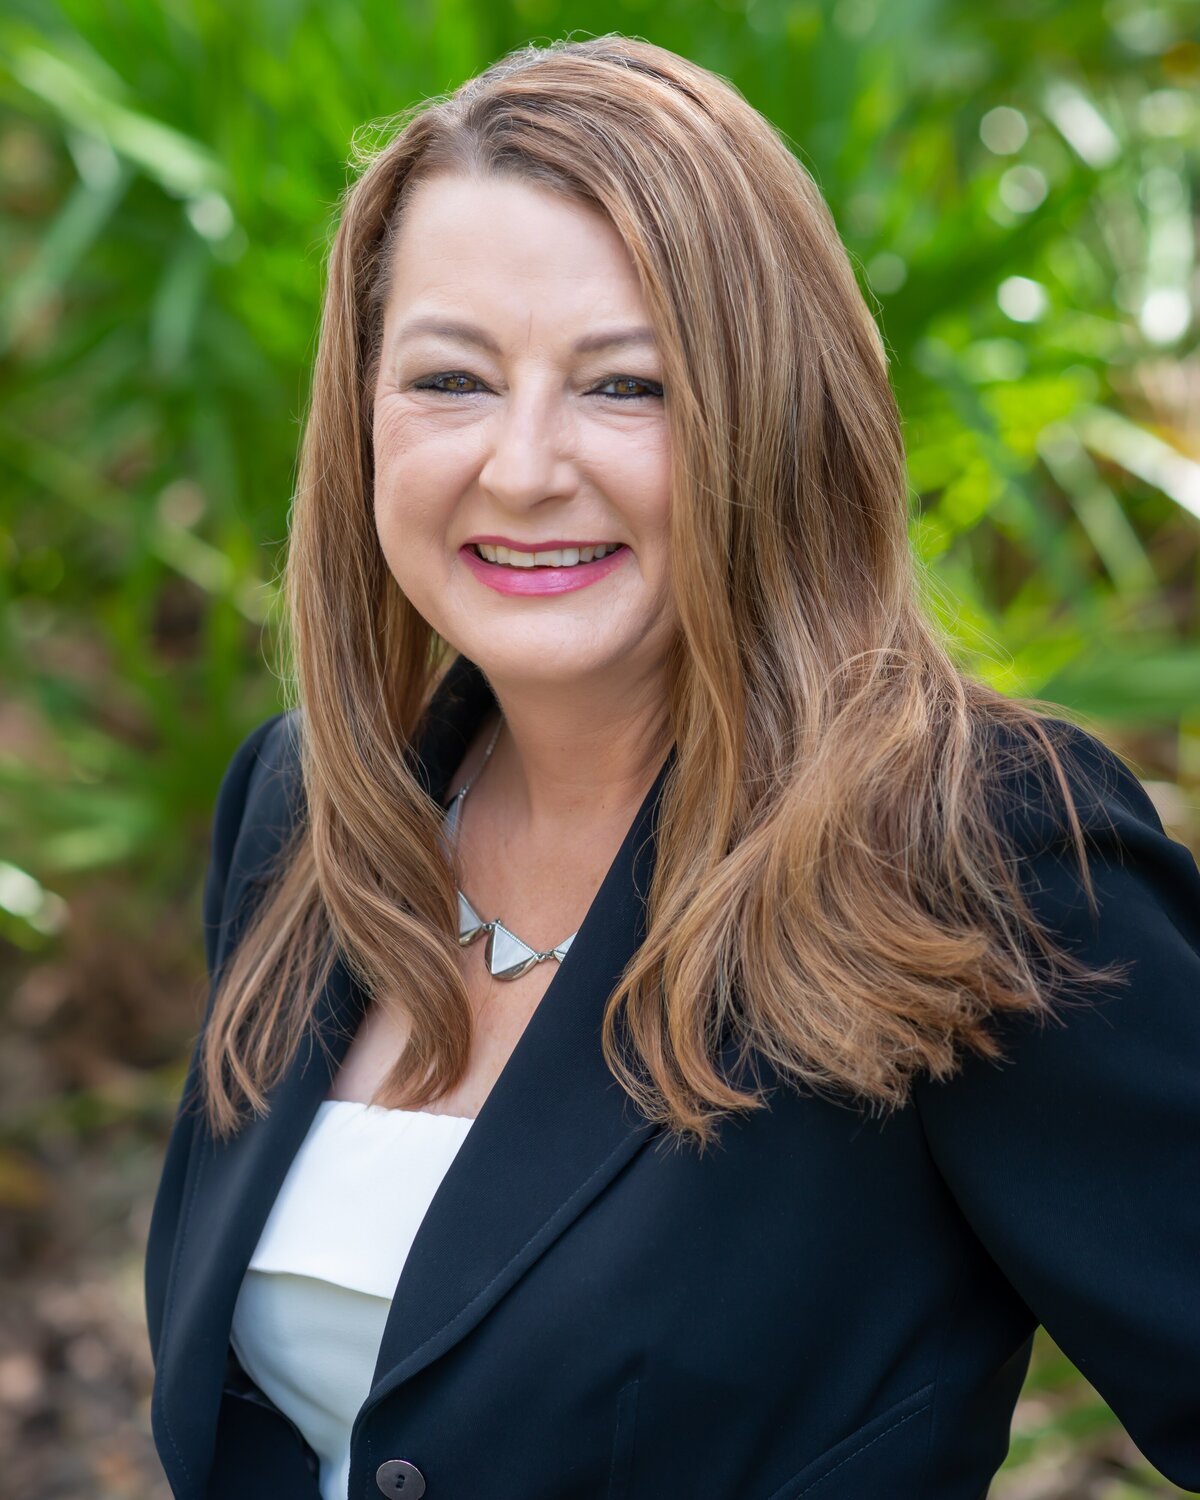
(526, 451)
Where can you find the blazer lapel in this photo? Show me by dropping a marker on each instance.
(555, 1129)
(553, 1132)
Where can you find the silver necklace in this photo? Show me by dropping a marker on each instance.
(506, 955)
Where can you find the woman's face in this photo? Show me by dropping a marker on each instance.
(519, 403)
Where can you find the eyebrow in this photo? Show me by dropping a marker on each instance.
(468, 333)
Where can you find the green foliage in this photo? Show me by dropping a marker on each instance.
(1015, 183)
(1020, 217)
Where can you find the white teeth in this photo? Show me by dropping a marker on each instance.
(564, 557)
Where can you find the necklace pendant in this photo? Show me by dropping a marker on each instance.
(506, 955)
(470, 924)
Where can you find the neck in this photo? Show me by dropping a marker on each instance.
(577, 755)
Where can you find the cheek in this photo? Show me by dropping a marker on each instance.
(418, 472)
(653, 520)
(634, 472)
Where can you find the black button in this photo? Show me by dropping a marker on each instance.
(398, 1477)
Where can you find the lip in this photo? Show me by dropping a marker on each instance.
(506, 580)
(539, 546)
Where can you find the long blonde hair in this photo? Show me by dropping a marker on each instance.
(830, 878)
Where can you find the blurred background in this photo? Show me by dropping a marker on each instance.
(1016, 184)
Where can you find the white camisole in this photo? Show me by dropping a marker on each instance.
(315, 1298)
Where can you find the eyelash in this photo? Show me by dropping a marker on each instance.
(651, 392)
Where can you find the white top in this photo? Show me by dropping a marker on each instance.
(316, 1295)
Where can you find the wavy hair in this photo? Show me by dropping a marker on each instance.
(832, 884)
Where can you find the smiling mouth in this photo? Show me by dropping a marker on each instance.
(562, 557)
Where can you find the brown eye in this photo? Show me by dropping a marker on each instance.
(649, 388)
(432, 384)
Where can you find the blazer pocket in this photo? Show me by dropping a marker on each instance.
(621, 1469)
(866, 1460)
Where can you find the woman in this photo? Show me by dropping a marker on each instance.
(626, 1071)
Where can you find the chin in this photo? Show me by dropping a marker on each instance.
(535, 665)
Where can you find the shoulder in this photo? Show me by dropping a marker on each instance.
(261, 795)
(274, 748)
(1135, 924)
(1029, 800)
(1141, 876)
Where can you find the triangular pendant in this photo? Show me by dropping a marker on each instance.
(470, 923)
(507, 956)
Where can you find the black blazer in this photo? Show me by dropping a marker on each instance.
(825, 1305)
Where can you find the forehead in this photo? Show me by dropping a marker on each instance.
(509, 251)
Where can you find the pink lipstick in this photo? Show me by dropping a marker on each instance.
(509, 580)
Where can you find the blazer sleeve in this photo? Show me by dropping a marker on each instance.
(164, 1219)
(1077, 1160)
